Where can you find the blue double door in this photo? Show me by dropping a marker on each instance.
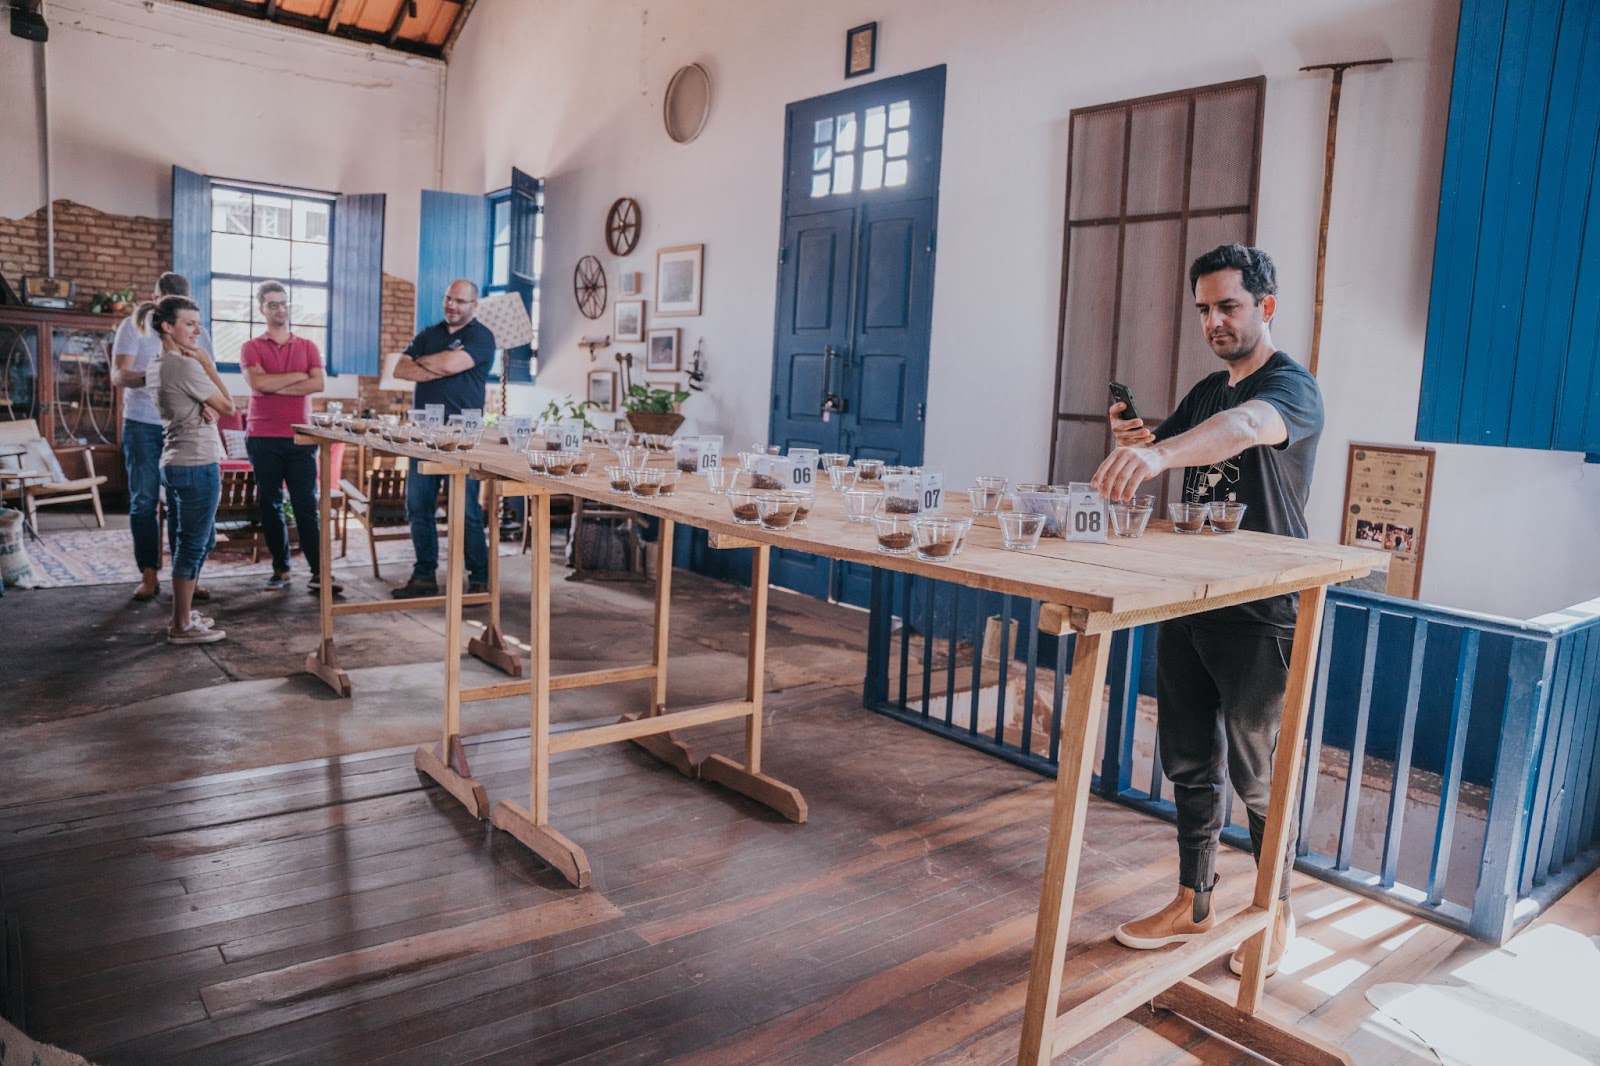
(855, 288)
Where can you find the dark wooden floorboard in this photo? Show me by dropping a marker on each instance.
(349, 910)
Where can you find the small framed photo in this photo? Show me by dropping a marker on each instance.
(678, 275)
(661, 354)
(603, 390)
(629, 323)
(861, 50)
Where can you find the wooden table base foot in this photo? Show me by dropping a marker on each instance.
(568, 858)
(769, 791)
(491, 648)
(451, 772)
(324, 663)
(1278, 1041)
(666, 747)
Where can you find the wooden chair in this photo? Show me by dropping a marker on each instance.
(380, 504)
(69, 482)
(239, 513)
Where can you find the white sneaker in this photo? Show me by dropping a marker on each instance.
(195, 634)
(198, 619)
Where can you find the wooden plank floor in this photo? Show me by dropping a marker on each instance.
(343, 911)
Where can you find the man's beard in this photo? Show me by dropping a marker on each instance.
(1240, 351)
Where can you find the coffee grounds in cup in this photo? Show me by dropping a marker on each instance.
(746, 512)
(940, 549)
(895, 541)
(900, 505)
(687, 466)
(620, 485)
(646, 488)
(764, 481)
(1189, 525)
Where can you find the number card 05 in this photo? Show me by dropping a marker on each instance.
(1086, 513)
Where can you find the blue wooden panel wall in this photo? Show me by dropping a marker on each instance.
(357, 311)
(1514, 318)
(524, 221)
(191, 236)
(453, 243)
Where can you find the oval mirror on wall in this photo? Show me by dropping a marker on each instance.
(687, 103)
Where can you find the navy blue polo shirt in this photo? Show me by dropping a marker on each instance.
(458, 392)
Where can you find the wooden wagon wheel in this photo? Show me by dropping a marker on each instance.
(622, 226)
(589, 287)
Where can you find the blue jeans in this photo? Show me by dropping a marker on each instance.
(422, 496)
(192, 495)
(279, 460)
(141, 454)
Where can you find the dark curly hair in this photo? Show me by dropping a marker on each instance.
(1256, 270)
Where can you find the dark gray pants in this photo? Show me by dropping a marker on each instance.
(1219, 697)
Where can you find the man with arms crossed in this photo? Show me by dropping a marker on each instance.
(131, 352)
(1246, 433)
(283, 370)
(450, 363)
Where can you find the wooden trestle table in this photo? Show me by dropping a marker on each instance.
(1089, 590)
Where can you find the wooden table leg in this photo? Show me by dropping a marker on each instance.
(448, 763)
(491, 647)
(1079, 727)
(748, 778)
(324, 662)
(664, 746)
(532, 827)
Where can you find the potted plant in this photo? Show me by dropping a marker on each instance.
(651, 409)
(123, 302)
(567, 410)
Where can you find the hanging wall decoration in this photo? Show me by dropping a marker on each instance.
(622, 226)
(589, 287)
(861, 50)
(678, 276)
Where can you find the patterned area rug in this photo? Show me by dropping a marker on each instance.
(74, 557)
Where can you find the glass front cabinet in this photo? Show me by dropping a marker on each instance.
(55, 368)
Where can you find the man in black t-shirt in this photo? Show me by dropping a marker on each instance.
(450, 363)
(1246, 433)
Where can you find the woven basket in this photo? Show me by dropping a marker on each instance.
(664, 423)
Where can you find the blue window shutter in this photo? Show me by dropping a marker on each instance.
(453, 243)
(355, 336)
(1514, 316)
(524, 220)
(191, 235)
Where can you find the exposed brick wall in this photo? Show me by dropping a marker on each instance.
(398, 325)
(101, 252)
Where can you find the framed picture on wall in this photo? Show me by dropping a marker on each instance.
(629, 323)
(661, 354)
(678, 275)
(861, 50)
(603, 390)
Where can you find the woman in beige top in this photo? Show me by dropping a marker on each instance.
(187, 386)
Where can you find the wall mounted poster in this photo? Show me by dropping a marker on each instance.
(1386, 495)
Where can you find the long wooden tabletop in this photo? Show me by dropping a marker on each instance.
(1155, 575)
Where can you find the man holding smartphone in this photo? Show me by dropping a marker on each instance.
(1247, 433)
(450, 363)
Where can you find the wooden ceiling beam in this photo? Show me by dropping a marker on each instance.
(399, 20)
(272, 10)
(336, 14)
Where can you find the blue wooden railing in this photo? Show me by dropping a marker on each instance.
(1482, 733)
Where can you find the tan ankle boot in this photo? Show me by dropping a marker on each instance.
(1282, 934)
(1172, 924)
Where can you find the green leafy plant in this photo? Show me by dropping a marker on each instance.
(567, 410)
(653, 399)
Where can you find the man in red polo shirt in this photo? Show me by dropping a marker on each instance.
(283, 371)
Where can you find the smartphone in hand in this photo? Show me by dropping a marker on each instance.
(1120, 394)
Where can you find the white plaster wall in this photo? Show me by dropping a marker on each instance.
(572, 90)
(135, 88)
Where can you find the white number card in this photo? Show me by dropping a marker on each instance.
(710, 453)
(803, 467)
(932, 485)
(1086, 513)
(572, 436)
(434, 413)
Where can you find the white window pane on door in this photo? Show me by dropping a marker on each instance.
(871, 169)
(500, 266)
(822, 158)
(502, 222)
(894, 173)
(269, 258)
(899, 143)
(274, 216)
(230, 253)
(308, 262)
(310, 306)
(844, 174)
(844, 136)
(230, 300)
(311, 221)
(227, 338)
(319, 336)
(872, 134)
(819, 185)
(230, 210)
(824, 132)
(900, 114)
